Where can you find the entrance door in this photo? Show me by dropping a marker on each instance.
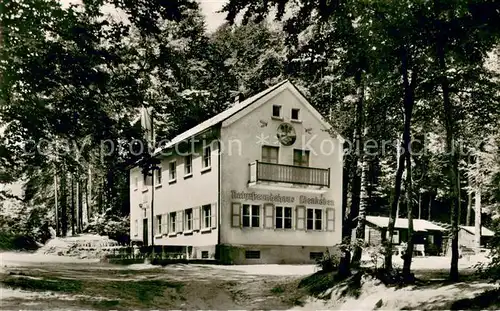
(145, 232)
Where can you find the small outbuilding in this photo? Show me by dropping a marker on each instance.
(427, 235)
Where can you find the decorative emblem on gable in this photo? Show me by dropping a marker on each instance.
(308, 130)
(263, 123)
(286, 134)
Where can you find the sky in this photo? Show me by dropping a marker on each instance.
(209, 9)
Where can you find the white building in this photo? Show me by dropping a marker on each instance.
(259, 183)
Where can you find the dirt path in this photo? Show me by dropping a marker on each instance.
(76, 286)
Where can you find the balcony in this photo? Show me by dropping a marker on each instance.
(290, 174)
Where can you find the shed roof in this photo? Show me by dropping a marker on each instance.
(402, 223)
(484, 231)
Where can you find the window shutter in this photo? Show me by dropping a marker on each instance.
(179, 221)
(155, 227)
(301, 210)
(166, 220)
(236, 212)
(269, 216)
(196, 218)
(213, 214)
(330, 219)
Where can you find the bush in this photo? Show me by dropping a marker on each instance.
(329, 262)
(116, 228)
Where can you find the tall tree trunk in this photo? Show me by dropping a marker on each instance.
(449, 122)
(73, 218)
(408, 102)
(79, 205)
(477, 220)
(89, 196)
(64, 205)
(430, 207)
(363, 200)
(469, 207)
(419, 205)
(409, 204)
(360, 125)
(56, 204)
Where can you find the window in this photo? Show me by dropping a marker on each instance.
(207, 154)
(301, 157)
(204, 254)
(276, 111)
(173, 171)
(252, 254)
(158, 176)
(314, 218)
(270, 154)
(315, 255)
(395, 236)
(295, 114)
(136, 182)
(283, 217)
(207, 216)
(188, 219)
(188, 165)
(172, 222)
(136, 227)
(251, 215)
(158, 224)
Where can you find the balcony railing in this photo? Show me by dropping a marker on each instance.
(271, 172)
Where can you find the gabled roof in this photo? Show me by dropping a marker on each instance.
(484, 231)
(402, 223)
(200, 128)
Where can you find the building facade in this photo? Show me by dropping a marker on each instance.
(259, 183)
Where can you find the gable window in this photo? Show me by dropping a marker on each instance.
(207, 216)
(172, 222)
(270, 154)
(158, 224)
(136, 182)
(295, 114)
(283, 217)
(158, 176)
(188, 165)
(251, 216)
(172, 171)
(188, 219)
(277, 111)
(301, 157)
(314, 219)
(207, 157)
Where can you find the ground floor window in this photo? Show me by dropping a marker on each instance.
(395, 236)
(158, 224)
(136, 227)
(188, 219)
(283, 217)
(207, 216)
(251, 216)
(204, 254)
(314, 219)
(173, 217)
(252, 254)
(315, 255)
